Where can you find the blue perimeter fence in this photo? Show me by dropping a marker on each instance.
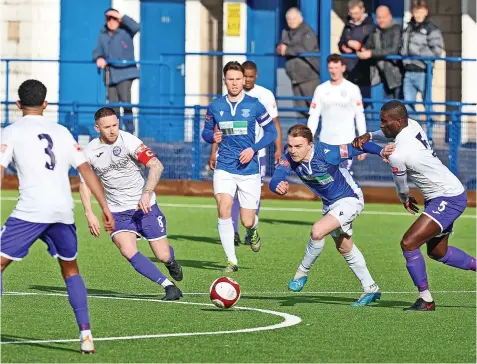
(187, 158)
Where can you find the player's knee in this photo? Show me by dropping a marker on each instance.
(69, 268)
(248, 223)
(407, 243)
(317, 234)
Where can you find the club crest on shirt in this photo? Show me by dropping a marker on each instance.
(343, 93)
(116, 151)
(221, 113)
(245, 113)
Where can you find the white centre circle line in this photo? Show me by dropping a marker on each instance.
(289, 320)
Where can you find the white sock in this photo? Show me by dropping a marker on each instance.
(426, 295)
(166, 283)
(357, 264)
(84, 333)
(313, 251)
(226, 233)
(254, 227)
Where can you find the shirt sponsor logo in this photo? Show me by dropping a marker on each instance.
(234, 127)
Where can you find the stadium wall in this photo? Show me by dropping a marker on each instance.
(296, 192)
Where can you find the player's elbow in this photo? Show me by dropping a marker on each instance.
(208, 136)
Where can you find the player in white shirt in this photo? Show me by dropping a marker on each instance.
(444, 195)
(119, 158)
(266, 97)
(340, 105)
(43, 152)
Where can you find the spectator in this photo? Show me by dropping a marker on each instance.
(421, 38)
(384, 41)
(303, 71)
(358, 28)
(115, 42)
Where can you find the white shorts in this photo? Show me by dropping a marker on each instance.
(345, 210)
(248, 188)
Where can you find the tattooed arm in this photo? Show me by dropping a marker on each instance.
(146, 157)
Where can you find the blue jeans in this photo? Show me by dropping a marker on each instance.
(414, 82)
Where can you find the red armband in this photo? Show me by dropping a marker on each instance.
(144, 154)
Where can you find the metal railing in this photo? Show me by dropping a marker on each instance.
(195, 150)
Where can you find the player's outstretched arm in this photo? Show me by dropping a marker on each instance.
(278, 184)
(93, 183)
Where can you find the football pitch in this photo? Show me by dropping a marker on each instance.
(269, 324)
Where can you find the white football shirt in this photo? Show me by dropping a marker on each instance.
(267, 99)
(120, 171)
(339, 106)
(414, 156)
(43, 152)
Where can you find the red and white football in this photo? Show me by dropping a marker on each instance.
(224, 292)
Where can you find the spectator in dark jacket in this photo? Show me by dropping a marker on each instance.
(421, 38)
(358, 28)
(384, 41)
(303, 71)
(115, 42)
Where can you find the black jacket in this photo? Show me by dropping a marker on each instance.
(357, 70)
(384, 42)
(301, 40)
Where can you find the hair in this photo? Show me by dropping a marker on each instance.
(335, 58)
(301, 130)
(110, 9)
(32, 93)
(419, 4)
(233, 66)
(354, 3)
(249, 65)
(103, 112)
(395, 109)
(294, 10)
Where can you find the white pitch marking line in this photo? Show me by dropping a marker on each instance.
(289, 209)
(289, 320)
(123, 295)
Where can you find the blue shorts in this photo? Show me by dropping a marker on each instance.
(445, 210)
(150, 226)
(18, 236)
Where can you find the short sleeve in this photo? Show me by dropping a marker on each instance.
(77, 155)
(262, 116)
(271, 105)
(132, 143)
(7, 147)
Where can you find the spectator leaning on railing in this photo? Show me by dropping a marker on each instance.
(303, 71)
(115, 42)
(384, 41)
(421, 38)
(358, 28)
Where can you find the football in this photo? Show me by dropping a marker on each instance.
(224, 292)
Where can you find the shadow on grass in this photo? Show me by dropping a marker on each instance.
(15, 338)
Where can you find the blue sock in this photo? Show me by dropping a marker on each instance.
(78, 300)
(147, 268)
